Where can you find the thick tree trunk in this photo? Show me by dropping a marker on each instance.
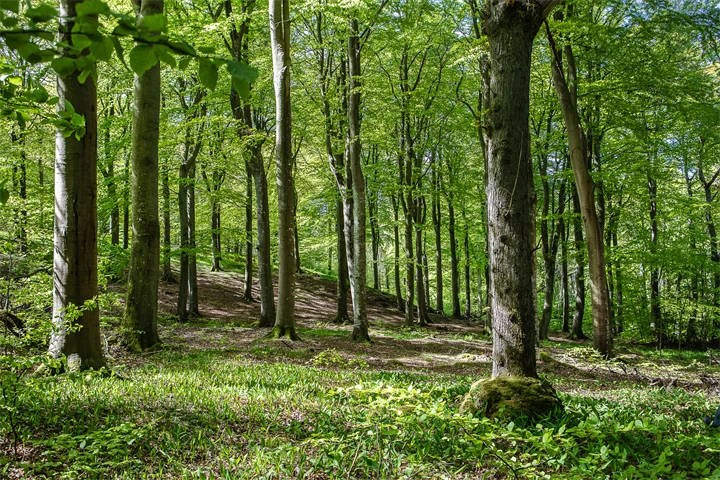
(280, 42)
(419, 274)
(140, 319)
(511, 28)
(567, 94)
(75, 232)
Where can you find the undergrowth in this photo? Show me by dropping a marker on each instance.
(207, 414)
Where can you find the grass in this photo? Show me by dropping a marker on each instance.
(217, 414)
(219, 400)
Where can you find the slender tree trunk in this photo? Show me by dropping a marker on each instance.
(280, 42)
(126, 205)
(215, 233)
(655, 313)
(467, 274)
(419, 274)
(342, 277)
(182, 311)
(75, 232)
(267, 291)
(454, 264)
(567, 94)
(550, 248)
(193, 302)
(140, 319)
(167, 275)
(577, 331)
(360, 321)
(437, 227)
(396, 266)
(247, 291)
(564, 272)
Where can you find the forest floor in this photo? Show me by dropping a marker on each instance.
(219, 400)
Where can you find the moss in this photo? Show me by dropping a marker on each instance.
(509, 397)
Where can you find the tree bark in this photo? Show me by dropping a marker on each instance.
(75, 233)
(577, 331)
(655, 313)
(280, 42)
(511, 28)
(167, 275)
(396, 266)
(467, 273)
(454, 264)
(437, 227)
(140, 319)
(359, 279)
(567, 94)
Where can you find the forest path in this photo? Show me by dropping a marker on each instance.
(446, 346)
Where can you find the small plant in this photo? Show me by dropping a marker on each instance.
(332, 358)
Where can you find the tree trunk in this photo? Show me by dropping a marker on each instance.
(655, 314)
(247, 291)
(75, 232)
(280, 42)
(419, 274)
(359, 279)
(454, 264)
(126, 204)
(193, 302)
(140, 319)
(714, 251)
(182, 312)
(567, 94)
(437, 227)
(167, 275)
(564, 280)
(511, 28)
(467, 274)
(549, 250)
(216, 235)
(396, 267)
(577, 331)
(342, 276)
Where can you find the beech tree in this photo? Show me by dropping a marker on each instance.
(76, 322)
(140, 318)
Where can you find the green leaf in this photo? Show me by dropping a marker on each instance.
(208, 73)
(4, 195)
(41, 95)
(119, 51)
(10, 6)
(81, 41)
(164, 55)
(242, 71)
(241, 87)
(153, 23)
(208, 50)
(142, 58)
(184, 62)
(69, 108)
(77, 120)
(41, 13)
(91, 7)
(63, 66)
(21, 119)
(182, 47)
(102, 50)
(15, 80)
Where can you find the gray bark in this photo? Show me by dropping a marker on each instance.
(511, 28)
(280, 42)
(75, 231)
(140, 319)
